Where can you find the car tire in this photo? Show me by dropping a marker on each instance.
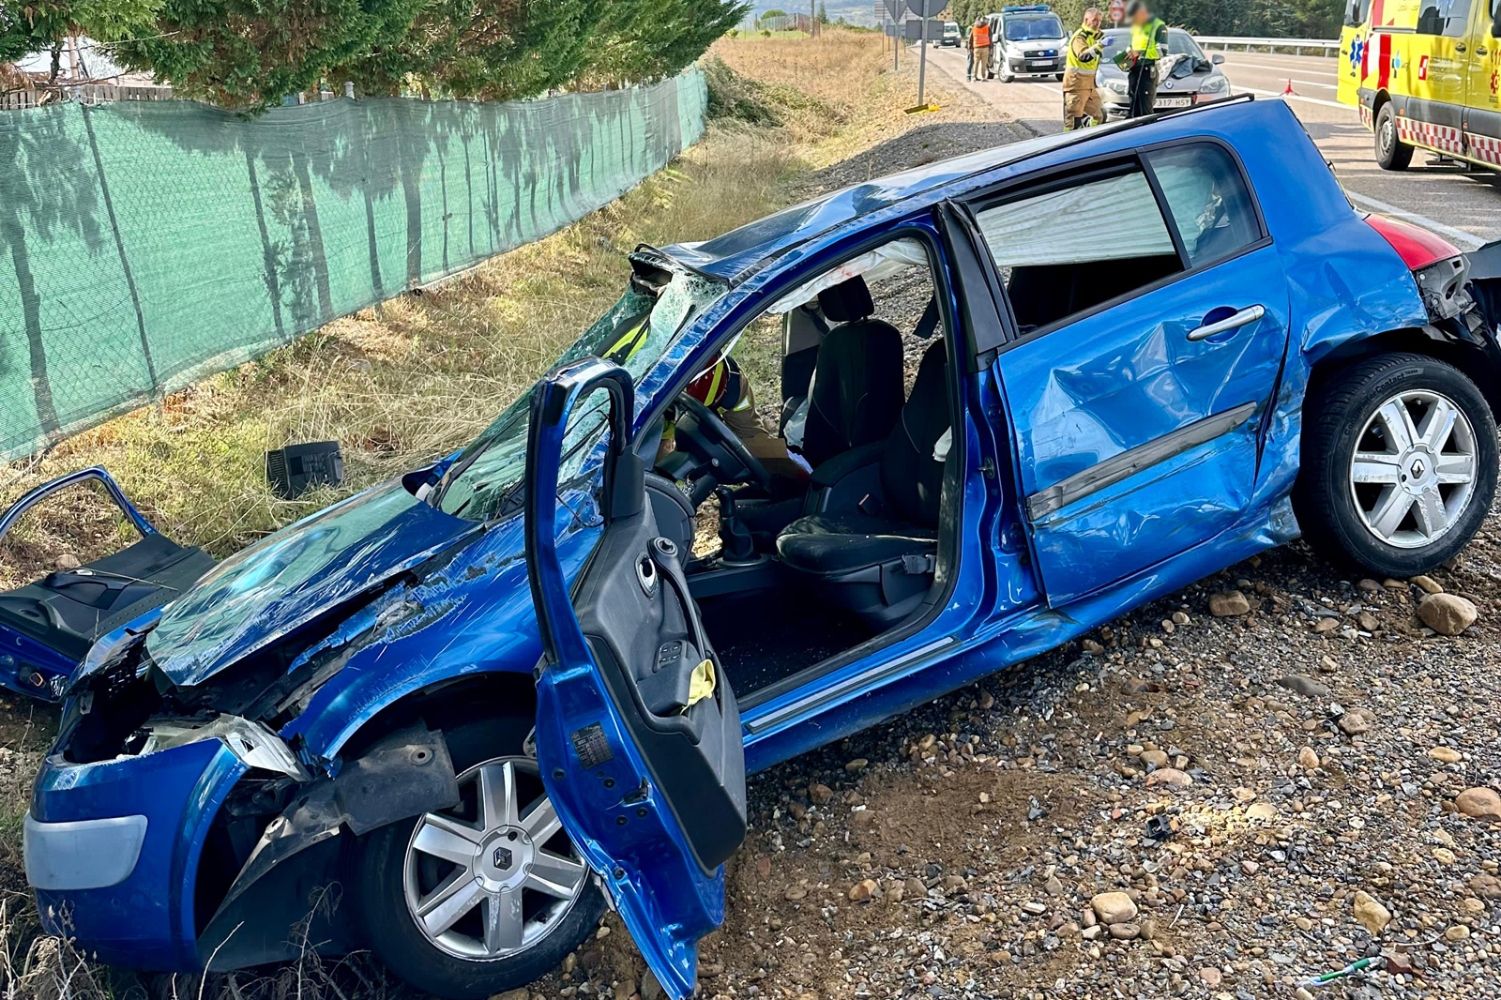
(1391, 152)
(384, 864)
(1353, 512)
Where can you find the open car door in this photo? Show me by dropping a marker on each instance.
(638, 736)
(47, 626)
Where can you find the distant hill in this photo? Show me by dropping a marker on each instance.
(852, 11)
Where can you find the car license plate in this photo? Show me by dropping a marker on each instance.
(1041, 63)
(1174, 102)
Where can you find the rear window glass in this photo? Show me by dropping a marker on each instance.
(1207, 199)
(1065, 251)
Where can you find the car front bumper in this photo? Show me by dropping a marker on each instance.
(1117, 103)
(112, 850)
(1023, 68)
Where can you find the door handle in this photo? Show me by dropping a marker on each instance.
(1460, 47)
(1232, 322)
(1482, 51)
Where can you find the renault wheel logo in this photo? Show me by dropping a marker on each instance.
(501, 858)
(1417, 467)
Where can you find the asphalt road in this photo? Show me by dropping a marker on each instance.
(1463, 205)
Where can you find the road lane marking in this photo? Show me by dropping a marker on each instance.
(1282, 70)
(1466, 240)
(1297, 97)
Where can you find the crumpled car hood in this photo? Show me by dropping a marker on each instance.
(287, 579)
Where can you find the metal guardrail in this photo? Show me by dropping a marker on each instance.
(1228, 42)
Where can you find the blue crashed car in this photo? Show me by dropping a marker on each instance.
(1021, 392)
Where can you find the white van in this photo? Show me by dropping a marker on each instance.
(1027, 42)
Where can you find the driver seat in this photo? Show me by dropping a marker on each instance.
(878, 561)
(856, 391)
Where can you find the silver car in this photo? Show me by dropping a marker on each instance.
(1185, 76)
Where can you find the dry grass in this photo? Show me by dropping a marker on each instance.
(398, 386)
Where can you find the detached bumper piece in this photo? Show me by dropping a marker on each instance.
(47, 626)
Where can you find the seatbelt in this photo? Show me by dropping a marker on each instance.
(927, 324)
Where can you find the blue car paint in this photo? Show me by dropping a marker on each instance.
(286, 579)
(147, 921)
(473, 614)
(665, 898)
(27, 666)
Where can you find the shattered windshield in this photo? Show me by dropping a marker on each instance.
(635, 333)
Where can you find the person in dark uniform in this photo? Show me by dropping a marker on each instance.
(1148, 45)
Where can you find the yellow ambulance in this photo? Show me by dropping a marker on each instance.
(1424, 74)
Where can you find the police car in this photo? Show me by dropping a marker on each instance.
(1027, 42)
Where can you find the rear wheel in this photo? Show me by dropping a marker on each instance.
(486, 896)
(1391, 152)
(1399, 465)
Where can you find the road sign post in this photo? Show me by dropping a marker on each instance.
(926, 10)
(894, 8)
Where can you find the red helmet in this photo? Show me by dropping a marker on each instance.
(719, 386)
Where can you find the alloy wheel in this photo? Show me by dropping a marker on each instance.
(494, 875)
(1413, 470)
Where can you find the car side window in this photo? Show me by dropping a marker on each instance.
(1207, 200)
(1444, 17)
(1069, 249)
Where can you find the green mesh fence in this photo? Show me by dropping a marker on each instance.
(145, 245)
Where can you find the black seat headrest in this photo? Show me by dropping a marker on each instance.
(847, 302)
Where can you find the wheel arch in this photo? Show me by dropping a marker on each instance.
(1430, 341)
(296, 892)
(454, 701)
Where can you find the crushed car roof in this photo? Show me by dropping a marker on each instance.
(740, 251)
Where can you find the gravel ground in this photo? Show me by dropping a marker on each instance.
(1254, 782)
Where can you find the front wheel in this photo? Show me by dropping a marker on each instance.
(486, 896)
(1399, 465)
(1391, 152)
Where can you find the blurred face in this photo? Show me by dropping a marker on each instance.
(1141, 16)
(1092, 19)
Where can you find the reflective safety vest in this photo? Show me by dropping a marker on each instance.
(979, 36)
(1083, 40)
(1144, 39)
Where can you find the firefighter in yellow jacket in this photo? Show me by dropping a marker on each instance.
(1081, 101)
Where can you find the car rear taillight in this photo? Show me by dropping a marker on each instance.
(1417, 247)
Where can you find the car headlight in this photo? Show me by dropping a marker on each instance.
(1214, 85)
(1116, 86)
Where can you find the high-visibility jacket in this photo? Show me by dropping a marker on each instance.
(979, 36)
(1085, 40)
(1144, 39)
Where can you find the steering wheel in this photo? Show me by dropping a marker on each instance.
(715, 435)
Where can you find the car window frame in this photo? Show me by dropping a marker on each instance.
(907, 226)
(1101, 166)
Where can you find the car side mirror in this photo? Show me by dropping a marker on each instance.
(1218, 59)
